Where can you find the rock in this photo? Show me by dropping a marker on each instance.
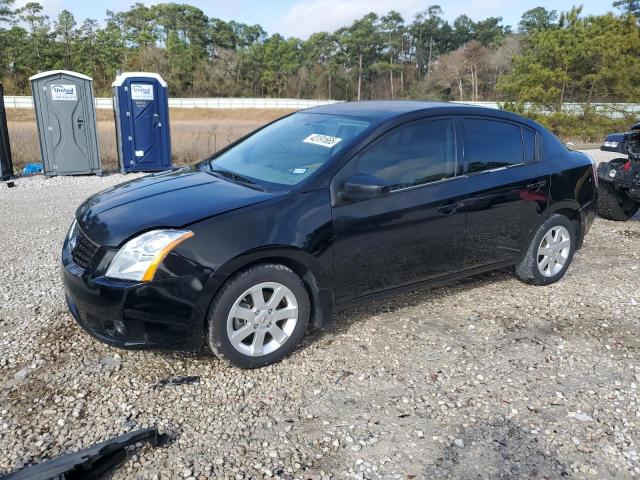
(110, 363)
(580, 416)
(22, 373)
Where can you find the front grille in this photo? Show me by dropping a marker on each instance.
(84, 250)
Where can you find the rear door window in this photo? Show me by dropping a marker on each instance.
(490, 144)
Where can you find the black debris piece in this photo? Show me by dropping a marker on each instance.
(177, 381)
(91, 463)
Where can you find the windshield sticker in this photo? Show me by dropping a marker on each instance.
(299, 171)
(322, 140)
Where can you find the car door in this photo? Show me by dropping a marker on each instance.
(413, 232)
(508, 189)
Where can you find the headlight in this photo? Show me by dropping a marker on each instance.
(611, 144)
(72, 229)
(71, 235)
(140, 257)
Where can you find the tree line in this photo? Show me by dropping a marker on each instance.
(547, 59)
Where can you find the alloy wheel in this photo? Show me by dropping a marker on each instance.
(262, 319)
(553, 251)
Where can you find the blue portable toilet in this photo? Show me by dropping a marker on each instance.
(141, 110)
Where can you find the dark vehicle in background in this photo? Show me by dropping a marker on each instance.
(619, 179)
(319, 209)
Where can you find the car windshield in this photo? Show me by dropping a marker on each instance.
(289, 150)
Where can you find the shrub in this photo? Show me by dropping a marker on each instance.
(586, 127)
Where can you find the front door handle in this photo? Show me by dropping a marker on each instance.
(450, 208)
(537, 186)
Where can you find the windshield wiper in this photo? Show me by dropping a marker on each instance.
(223, 173)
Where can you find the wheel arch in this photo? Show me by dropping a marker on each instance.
(528, 269)
(314, 277)
(574, 212)
(569, 209)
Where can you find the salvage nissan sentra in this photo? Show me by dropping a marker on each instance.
(323, 207)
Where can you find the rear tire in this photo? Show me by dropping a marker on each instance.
(259, 316)
(615, 205)
(550, 252)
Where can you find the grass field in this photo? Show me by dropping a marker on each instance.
(195, 133)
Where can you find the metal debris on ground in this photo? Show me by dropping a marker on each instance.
(177, 381)
(90, 463)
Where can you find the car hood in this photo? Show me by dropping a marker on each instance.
(168, 199)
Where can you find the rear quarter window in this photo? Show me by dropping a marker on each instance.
(529, 138)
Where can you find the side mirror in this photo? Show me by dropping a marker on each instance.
(362, 187)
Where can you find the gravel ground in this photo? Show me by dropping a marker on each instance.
(487, 377)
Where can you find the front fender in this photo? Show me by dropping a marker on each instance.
(317, 277)
(287, 254)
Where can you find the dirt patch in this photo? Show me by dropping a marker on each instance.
(177, 114)
(225, 115)
(195, 133)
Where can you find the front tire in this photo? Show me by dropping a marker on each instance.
(550, 252)
(259, 316)
(615, 205)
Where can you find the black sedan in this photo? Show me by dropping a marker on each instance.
(243, 252)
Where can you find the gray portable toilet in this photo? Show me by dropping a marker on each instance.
(6, 165)
(66, 119)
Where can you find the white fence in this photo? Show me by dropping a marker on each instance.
(612, 110)
(285, 103)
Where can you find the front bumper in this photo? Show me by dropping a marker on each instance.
(158, 314)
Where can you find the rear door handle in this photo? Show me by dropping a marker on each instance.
(450, 208)
(536, 186)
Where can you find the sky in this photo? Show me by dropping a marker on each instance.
(300, 18)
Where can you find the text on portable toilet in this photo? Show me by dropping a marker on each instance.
(141, 92)
(64, 93)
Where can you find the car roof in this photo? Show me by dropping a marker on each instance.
(375, 109)
(383, 110)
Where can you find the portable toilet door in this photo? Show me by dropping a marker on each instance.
(6, 165)
(141, 109)
(66, 119)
